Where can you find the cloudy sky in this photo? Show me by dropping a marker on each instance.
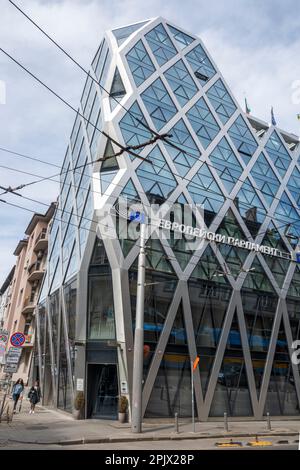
(255, 44)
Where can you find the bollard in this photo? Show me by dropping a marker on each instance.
(268, 422)
(176, 424)
(225, 422)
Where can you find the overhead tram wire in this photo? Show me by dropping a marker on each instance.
(123, 148)
(73, 170)
(164, 255)
(129, 149)
(163, 137)
(51, 178)
(122, 186)
(145, 125)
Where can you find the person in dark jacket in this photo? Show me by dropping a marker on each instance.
(34, 396)
(16, 392)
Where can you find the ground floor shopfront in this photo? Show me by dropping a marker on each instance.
(242, 335)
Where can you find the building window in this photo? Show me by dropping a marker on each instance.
(101, 318)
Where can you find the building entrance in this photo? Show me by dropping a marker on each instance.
(103, 391)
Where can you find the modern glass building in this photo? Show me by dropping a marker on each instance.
(234, 301)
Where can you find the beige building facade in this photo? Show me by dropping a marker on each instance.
(25, 283)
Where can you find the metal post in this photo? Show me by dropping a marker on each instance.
(138, 359)
(3, 403)
(225, 422)
(269, 422)
(192, 385)
(176, 424)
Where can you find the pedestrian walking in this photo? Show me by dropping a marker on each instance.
(34, 396)
(16, 392)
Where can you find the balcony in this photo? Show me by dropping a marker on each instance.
(35, 272)
(41, 241)
(28, 306)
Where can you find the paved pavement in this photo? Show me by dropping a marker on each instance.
(48, 427)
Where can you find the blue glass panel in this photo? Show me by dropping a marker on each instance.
(186, 153)
(201, 65)
(265, 178)
(92, 117)
(54, 245)
(242, 139)
(181, 82)
(73, 263)
(140, 64)
(103, 59)
(86, 92)
(288, 219)
(83, 188)
(157, 179)
(226, 164)
(294, 185)
(278, 154)
(130, 192)
(221, 101)
(249, 205)
(159, 104)
(122, 34)
(97, 56)
(161, 45)
(203, 122)
(56, 281)
(182, 39)
(204, 190)
(96, 135)
(133, 132)
(85, 222)
(75, 129)
(66, 163)
(117, 90)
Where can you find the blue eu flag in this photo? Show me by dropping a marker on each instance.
(137, 216)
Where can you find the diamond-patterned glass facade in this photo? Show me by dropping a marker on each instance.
(204, 190)
(242, 139)
(132, 128)
(265, 178)
(181, 82)
(294, 185)
(221, 101)
(186, 153)
(203, 122)
(157, 179)
(226, 164)
(240, 282)
(182, 39)
(140, 64)
(278, 154)
(159, 104)
(161, 45)
(201, 65)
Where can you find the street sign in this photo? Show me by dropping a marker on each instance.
(10, 368)
(3, 337)
(17, 339)
(13, 355)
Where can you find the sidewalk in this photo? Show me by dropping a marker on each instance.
(48, 426)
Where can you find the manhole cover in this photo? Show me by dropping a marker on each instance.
(36, 428)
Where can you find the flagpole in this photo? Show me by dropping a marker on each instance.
(192, 383)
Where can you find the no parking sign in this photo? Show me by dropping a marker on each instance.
(17, 339)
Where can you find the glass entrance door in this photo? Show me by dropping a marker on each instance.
(102, 391)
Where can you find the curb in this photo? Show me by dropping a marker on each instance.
(171, 437)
